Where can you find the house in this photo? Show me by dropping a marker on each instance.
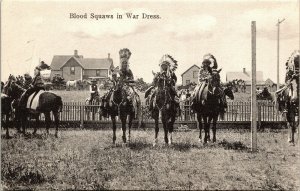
(76, 67)
(244, 75)
(190, 75)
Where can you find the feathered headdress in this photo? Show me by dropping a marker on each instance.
(172, 63)
(293, 61)
(210, 60)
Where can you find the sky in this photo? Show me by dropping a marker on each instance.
(187, 30)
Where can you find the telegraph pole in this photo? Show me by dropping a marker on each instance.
(253, 89)
(278, 29)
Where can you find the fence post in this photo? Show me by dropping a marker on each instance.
(259, 114)
(81, 115)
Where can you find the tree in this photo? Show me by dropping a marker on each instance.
(141, 85)
(58, 81)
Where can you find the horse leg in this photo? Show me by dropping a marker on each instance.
(113, 119)
(48, 121)
(214, 129)
(123, 121)
(37, 123)
(199, 118)
(156, 118)
(24, 122)
(165, 125)
(129, 125)
(206, 128)
(171, 128)
(56, 120)
(6, 125)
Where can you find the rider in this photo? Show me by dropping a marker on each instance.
(28, 80)
(93, 91)
(167, 70)
(36, 85)
(126, 75)
(204, 76)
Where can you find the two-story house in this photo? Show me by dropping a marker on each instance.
(76, 67)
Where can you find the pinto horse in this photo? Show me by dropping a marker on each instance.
(121, 104)
(211, 108)
(48, 102)
(164, 106)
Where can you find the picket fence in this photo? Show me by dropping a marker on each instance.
(236, 112)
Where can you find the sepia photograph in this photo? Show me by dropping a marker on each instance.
(150, 95)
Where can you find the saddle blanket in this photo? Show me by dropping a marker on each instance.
(33, 100)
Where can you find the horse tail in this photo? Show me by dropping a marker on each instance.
(59, 104)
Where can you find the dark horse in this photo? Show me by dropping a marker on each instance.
(47, 102)
(164, 106)
(120, 105)
(8, 100)
(211, 108)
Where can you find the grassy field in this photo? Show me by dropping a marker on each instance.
(86, 159)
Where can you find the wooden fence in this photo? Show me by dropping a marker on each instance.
(236, 112)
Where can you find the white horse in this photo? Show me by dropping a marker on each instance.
(71, 84)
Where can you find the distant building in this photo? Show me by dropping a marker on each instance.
(76, 67)
(244, 75)
(190, 75)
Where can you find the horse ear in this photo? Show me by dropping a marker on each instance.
(219, 70)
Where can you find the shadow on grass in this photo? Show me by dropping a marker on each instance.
(183, 147)
(236, 145)
(139, 145)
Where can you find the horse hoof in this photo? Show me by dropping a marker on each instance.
(200, 140)
(56, 136)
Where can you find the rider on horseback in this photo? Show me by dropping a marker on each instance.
(292, 72)
(167, 70)
(28, 80)
(36, 85)
(205, 76)
(94, 91)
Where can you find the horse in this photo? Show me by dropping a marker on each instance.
(119, 104)
(48, 102)
(71, 84)
(211, 108)
(8, 99)
(163, 106)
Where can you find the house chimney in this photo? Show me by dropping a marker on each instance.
(76, 53)
(244, 70)
(108, 56)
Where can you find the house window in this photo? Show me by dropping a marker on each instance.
(72, 70)
(101, 73)
(195, 74)
(97, 72)
(187, 82)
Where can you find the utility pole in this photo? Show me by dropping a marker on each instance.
(278, 29)
(253, 89)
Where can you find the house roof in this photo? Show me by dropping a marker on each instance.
(95, 63)
(189, 69)
(246, 76)
(87, 63)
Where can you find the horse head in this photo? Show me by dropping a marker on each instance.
(229, 92)
(14, 90)
(163, 86)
